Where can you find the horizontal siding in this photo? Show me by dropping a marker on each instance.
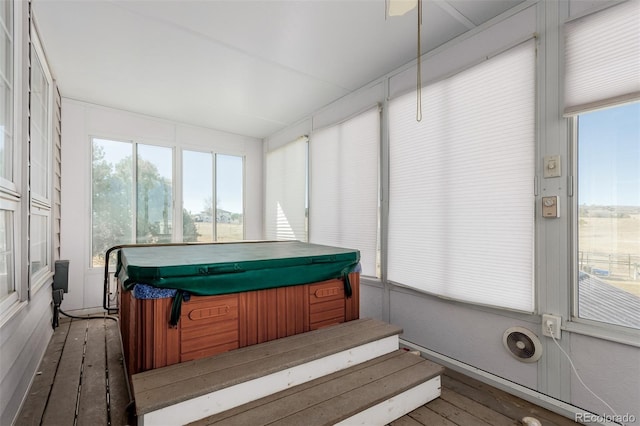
(24, 339)
(26, 331)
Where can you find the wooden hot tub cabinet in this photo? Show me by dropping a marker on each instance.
(212, 324)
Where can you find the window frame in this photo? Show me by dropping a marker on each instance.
(42, 202)
(10, 189)
(9, 186)
(243, 159)
(177, 234)
(174, 182)
(600, 329)
(92, 138)
(134, 188)
(213, 187)
(13, 297)
(39, 277)
(574, 324)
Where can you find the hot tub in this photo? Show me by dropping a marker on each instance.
(181, 303)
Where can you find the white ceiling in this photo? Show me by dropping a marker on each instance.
(246, 67)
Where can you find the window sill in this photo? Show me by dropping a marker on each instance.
(531, 317)
(371, 281)
(612, 333)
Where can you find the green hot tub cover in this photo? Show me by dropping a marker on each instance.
(211, 269)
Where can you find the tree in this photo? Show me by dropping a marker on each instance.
(236, 218)
(189, 230)
(114, 210)
(111, 205)
(208, 205)
(154, 201)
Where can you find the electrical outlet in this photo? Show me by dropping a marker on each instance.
(552, 322)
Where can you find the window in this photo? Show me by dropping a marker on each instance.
(39, 236)
(344, 195)
(116, 195)
(112, 203)
(7, 258)
(6, 93)
(199, 222)
(127, 209)
(154, 190)
(229, 198)
(40, 151)
(286, 192)
(461, 200)
(197, 196)
(40, 131)
(608, 150)
(9, 198)
(602, 91)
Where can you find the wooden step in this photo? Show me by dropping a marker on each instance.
(189, 391)
(376, 392)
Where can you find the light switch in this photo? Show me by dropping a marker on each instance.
(550, 207)
(552, 166)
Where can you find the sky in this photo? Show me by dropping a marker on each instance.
(609, 157)
(197, 170)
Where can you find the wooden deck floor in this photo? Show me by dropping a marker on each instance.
(81, 381)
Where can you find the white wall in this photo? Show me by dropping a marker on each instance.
(469, 337)
(81, 121)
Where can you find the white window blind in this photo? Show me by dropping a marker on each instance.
(343, 207)
(286, 192)
(461, 215)
(602, 58)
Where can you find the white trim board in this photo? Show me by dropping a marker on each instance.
(397, 406)
(242, 393)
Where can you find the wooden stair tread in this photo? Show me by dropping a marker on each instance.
(335, 397)
(170, 385)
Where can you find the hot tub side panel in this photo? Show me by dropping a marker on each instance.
(212, 324)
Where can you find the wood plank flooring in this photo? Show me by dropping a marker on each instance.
(81, 381)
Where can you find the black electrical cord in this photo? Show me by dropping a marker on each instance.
(87, 317)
